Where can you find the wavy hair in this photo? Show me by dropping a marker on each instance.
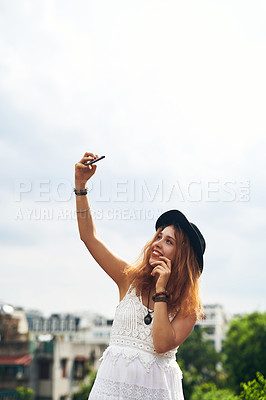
(183, 284)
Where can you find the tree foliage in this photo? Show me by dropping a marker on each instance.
(254, 390)
(85, 389)
(198, 360)
(209, 391)
(199, 354)
(24, 393)
(244, 348)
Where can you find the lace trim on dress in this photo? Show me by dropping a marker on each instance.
(121, 390)
(128, 327)
(147, 359)
(138, 343)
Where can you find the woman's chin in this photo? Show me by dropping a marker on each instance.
(152, 260)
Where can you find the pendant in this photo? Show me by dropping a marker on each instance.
(148, 319)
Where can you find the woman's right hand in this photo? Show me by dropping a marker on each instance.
(84, 172)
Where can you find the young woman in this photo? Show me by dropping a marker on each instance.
(159, 303)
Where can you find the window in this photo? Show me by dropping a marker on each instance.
(64, 367)
(210, 330)
(45, 325)
(79, 369)
(7, 371)
(92, 356)
(62, 325)
(44, 369)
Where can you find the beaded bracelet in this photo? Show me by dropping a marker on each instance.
(158, 295)
(164, 293)
(81, 192)
(158, 299)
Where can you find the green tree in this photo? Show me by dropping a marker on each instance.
(198, 360)
(244, 348)
(85, 389)
(209, 391)
(254, 390)
(24, 393)
(191, 379)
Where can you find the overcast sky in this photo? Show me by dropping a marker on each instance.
(173, 94)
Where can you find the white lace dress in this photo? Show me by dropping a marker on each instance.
(130, 367)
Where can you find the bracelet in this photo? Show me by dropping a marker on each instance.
(159, 294)
(158, 299)
(164, 293)
(87, 209)
(81, 192)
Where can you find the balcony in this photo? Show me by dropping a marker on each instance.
(45, 350)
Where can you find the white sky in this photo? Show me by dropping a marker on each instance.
(173, 94)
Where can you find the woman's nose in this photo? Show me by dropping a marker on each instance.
(158, 242)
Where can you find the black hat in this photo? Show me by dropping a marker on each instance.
(175, 217)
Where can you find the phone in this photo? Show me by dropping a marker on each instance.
(94, 161)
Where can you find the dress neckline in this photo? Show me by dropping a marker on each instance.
(132, 289)
(140, 299)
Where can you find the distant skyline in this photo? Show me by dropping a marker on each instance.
(173, 94)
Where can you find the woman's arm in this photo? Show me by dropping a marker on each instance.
(167, 335)
(113, 265)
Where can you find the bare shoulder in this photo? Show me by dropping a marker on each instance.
(123, 287)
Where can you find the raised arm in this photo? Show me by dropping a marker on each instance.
(113, 265)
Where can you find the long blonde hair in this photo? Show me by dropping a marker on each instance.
(183, 284)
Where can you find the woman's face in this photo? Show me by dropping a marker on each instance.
(164, 244)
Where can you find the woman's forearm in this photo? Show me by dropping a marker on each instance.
(85, 222)
(164, 338)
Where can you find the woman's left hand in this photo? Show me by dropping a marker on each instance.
(162, 268)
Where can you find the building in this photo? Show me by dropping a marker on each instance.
(60, 367)
(15, 355)
(215, 325)
(57, 324)
(65, 345)
(50, 355)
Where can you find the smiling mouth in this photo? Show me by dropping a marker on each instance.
(156, 253)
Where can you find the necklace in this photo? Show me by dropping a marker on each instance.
(148, 317)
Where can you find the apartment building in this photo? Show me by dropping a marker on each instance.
(52, 357)
(215, 324)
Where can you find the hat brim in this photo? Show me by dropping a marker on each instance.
(176, 217)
